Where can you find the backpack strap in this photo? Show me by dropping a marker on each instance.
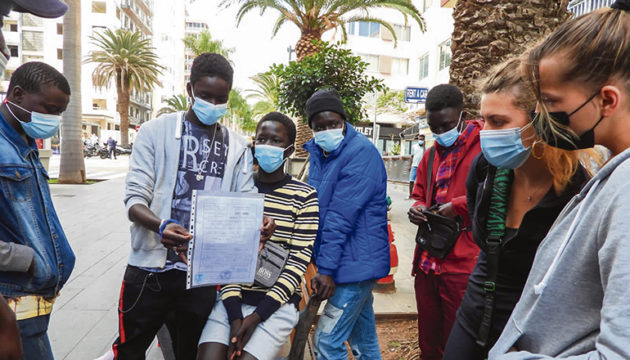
(430, 176)
(495, 226)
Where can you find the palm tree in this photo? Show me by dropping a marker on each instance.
(128, 59)
(315, 17)
(174, 103)
(487, 33)
(266, 92)
(72, 166)
(203, 43)
(240, 112)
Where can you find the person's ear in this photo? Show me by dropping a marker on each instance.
(289, 150)
(189, 91)
(611, 98)
(17, 94)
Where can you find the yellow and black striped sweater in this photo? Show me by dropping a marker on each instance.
(294, 207)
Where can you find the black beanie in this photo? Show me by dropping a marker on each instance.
(324, 100)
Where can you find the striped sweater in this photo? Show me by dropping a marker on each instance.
(294, 207)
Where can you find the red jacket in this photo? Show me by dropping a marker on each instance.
(463, 257)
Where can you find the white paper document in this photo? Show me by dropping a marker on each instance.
(226, 236)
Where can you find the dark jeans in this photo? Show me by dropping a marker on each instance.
(437, 297)
(148, 300)
(112, 152)
(35, 339)
(461, 345)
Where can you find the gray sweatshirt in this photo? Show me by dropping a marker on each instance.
(153, 172)
(576, 302)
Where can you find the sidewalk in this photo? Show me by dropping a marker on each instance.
(84, 321)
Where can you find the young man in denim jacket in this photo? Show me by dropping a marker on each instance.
(352, 247)
(35, 257)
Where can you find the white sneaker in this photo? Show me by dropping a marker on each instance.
(109, 355)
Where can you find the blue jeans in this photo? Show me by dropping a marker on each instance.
(35, 339)
(348, 315)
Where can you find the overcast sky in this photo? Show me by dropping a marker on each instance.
(255, 49)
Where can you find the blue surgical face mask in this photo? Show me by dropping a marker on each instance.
(329, 140)
(447, 139)
(504, 148)
(41, 126)
(270, 158)
(207, 112)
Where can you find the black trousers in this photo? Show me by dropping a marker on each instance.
(461, 345)
(112, 152)
(149, 300)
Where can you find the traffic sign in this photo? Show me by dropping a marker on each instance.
(416, 95)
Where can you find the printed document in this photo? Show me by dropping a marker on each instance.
(226, 237)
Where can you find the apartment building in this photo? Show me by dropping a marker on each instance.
(169, 47)
(193, 27)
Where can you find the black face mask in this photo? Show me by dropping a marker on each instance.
(584, 141)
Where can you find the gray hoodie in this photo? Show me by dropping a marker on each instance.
(576, 302)
(153, 172)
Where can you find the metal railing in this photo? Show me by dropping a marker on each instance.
(581, 7)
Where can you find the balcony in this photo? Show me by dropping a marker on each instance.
(581, 7)
(132, 10)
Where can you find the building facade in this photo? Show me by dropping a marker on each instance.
(420, 60)
(194, 26)
(169, 18)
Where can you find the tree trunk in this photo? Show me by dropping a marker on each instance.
(123, 111)
(72, 168)
(304, 134)
(304, 48)
(487, 32)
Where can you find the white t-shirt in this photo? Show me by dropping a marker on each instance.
(417, 151)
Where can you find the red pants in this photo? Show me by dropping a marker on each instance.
(437, 299)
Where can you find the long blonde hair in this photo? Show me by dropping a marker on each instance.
(506, 78)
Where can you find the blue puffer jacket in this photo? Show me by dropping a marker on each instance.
(352, 242)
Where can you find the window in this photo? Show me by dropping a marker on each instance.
(375, 29)
(99, 104)
(10, 26)
(31, 20)
(445, 54)
(372, 61)
(59, 29)
(369, 29)
(117, 12)
(117, 127)
(59, 54)
(32, 40)
(400, 66)
(364, 28)
(424, 67)
(14, 51)
(351, 28)
(403, 33)
(99, 7)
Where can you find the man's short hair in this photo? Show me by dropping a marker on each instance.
(444, 96)
(211, 64)
(282, 119)
(32, 76)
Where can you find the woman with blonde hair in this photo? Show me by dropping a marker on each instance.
(575, 302)
(515, 189)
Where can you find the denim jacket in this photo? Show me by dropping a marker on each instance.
(27, 217)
